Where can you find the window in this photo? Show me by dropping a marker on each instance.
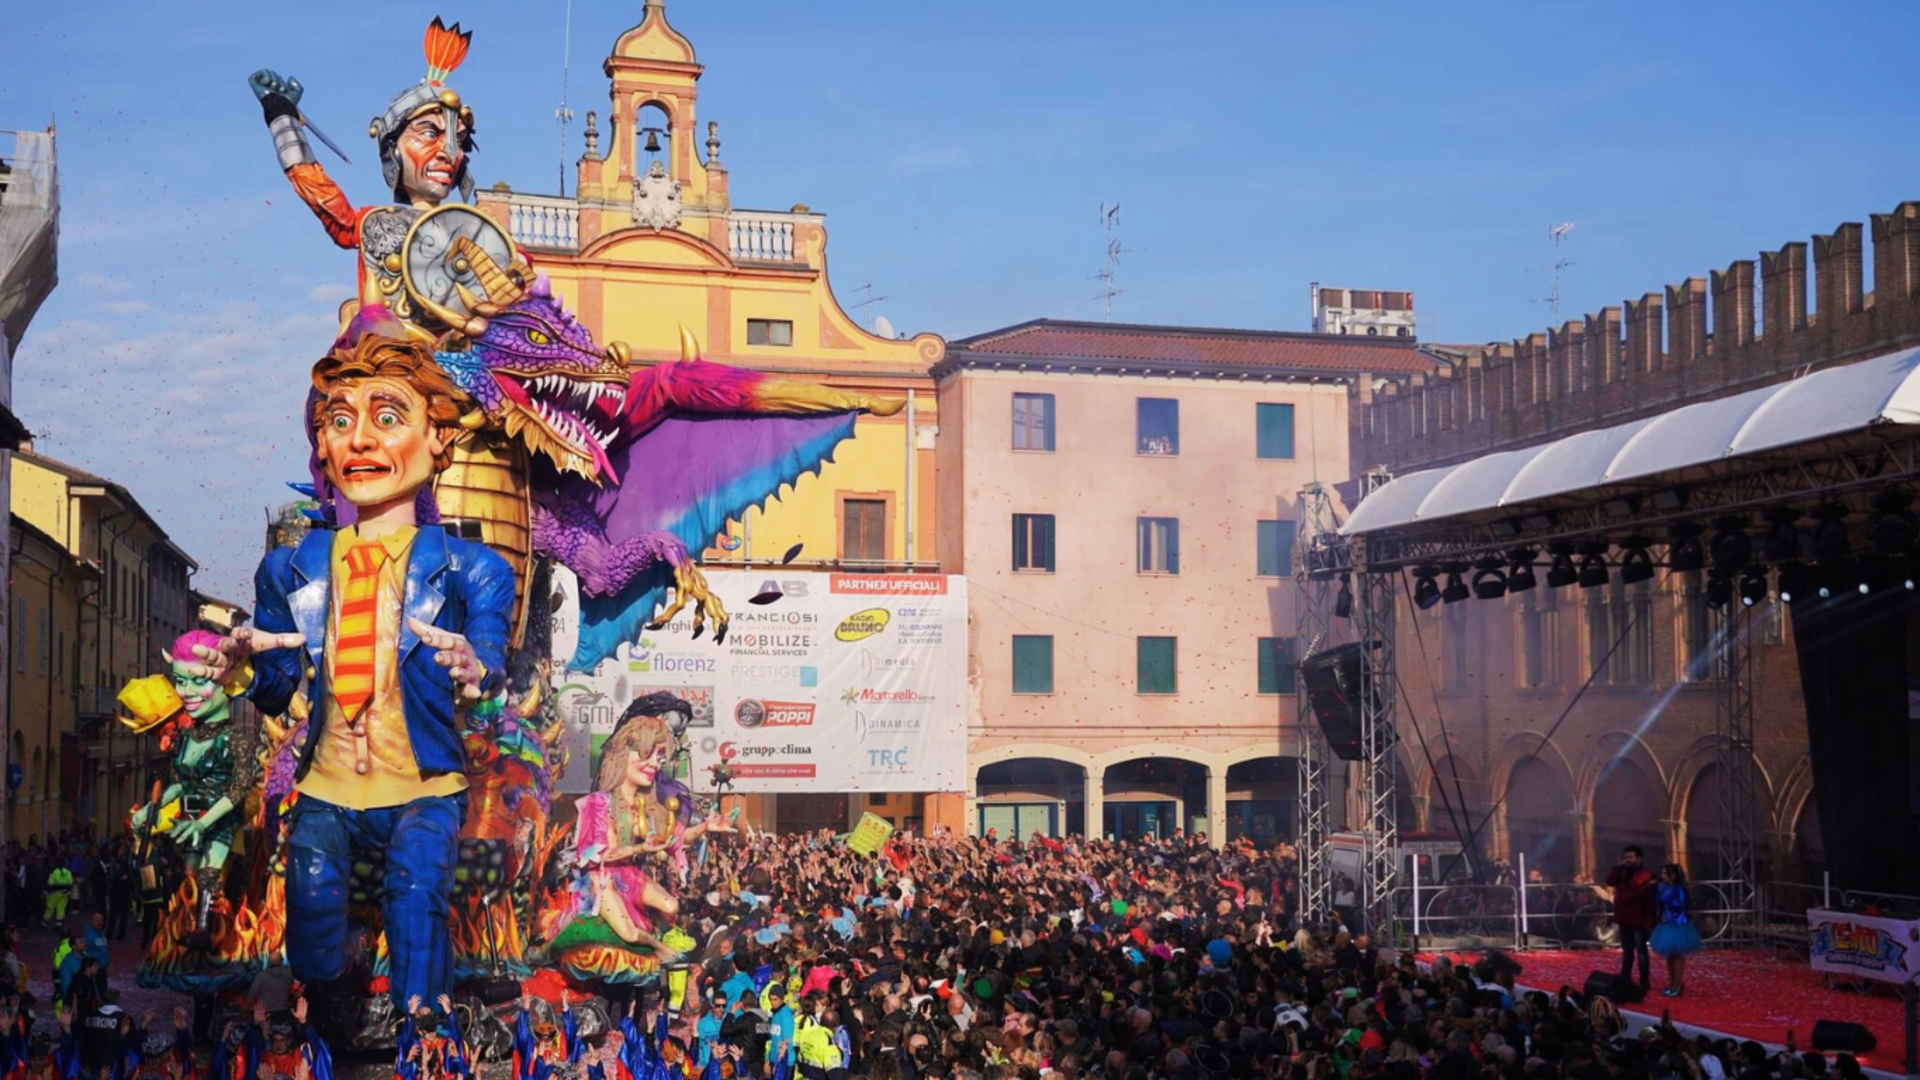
(1033, 422)
(1033, 542)
(878, 798)
(1277, 665)
(1774, 619)
(1274, 431)
(1622, 614)
(1454, 663)
(20, 634)
(769, 332)
(864, 530)
(1537, 637)
(1032, 664)
(1154, 669)
(1159, 543)
(1158, 426)
(1701, 659)
(1275, 558)
(46, 640)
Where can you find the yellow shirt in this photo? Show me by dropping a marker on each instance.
(394, 777)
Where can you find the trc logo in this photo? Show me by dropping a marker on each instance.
(887, 759)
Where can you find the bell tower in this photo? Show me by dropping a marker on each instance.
(654, 72)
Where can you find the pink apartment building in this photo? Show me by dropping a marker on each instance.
(1122, 501)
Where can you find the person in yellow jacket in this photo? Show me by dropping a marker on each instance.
(59, 883)
(813, 1045)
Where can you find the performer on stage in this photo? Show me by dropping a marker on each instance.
(1632, 884)
(1676, 938)
(400, 625)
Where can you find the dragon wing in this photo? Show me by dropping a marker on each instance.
(688, 475)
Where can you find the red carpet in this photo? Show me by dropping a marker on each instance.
(1746, 994)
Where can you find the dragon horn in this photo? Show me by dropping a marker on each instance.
(501, 289)
(689, 345)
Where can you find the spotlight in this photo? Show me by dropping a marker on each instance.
(1684, 552)
(1343, 600)
(1635, 564)
(1783, 540)
(1520, 575)
(1489, 581)
(1753, 585)
(1666, 502)
(1593, 568)
(1426, 591)
(1561, 573)
(1839, 578)
(1456, 589)
(1892, 528)
(1830, 541)
(1731, 548)
(1719, 593)
(1795, 582)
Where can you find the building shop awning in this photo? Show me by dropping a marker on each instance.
(1826, 405)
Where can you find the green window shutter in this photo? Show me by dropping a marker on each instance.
(1275, 558)
(1032, 664)
(1156, 671)
(1274, 424)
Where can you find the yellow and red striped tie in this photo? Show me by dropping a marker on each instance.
(354, 637)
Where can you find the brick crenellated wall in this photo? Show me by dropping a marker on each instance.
(1702, 338)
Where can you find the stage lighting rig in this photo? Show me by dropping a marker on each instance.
(1343, 600)
(1891, 528)
(1719, 592)
(1684, 552)
(1795, 582)
(1561, 572)
(1456, 589)
(1782, 542)
(1593, 567)
(1426, 591)
(1520, 575)
(1489, 580)
(1731, 548)
(1753, 585)
(1636, 565)
(1831, 544)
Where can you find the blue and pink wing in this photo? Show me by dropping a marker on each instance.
(688, 475)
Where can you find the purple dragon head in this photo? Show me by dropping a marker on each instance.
(538, 375)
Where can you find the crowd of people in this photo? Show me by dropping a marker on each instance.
(986, 959)
(46, 881)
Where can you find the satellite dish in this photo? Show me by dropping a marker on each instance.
(883, 328)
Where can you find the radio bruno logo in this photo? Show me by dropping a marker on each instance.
(862, 625)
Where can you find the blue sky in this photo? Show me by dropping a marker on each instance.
(960, 152)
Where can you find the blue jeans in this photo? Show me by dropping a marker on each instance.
(421, 840)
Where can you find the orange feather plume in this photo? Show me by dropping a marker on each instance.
(446, 47)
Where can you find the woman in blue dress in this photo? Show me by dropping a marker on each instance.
(1675, 938)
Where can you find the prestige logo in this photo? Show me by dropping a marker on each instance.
(862, 625)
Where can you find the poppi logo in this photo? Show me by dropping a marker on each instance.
(754, 714)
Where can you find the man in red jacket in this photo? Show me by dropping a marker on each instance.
(1632, 884)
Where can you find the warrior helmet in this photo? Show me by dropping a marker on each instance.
(280, 1029)
(157, 1044)
(446, 47)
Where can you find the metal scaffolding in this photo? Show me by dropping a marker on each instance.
(1314, 629)
(1373, 611)
(1733, 729)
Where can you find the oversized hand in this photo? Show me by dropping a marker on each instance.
(187, 833)
(690, 584)
(140, 817)
(219, 661)
(266, 81)
(451, 651)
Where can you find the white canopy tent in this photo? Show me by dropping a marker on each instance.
(1873, 394)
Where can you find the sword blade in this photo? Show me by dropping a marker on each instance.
(322, 136)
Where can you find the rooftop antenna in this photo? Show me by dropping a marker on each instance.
(1557, 233)
(1110, 223)
(867, 299)
(564, 114)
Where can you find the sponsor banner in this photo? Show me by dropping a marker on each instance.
(846, 682)
(1863, 945)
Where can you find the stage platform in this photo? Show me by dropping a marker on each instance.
(1745, 994)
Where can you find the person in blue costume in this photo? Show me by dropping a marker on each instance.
(431, 1044)
(1676, 938)
(542, 1049)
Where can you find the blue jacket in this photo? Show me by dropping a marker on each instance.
(452, 584)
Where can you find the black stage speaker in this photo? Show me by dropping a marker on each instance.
(1333, 689)
(1610, 985)
(1842, 1036)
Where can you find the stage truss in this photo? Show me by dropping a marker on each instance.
(1315, 626)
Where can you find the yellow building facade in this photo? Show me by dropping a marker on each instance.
(650, 242)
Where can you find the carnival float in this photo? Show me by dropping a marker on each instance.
(396, 797)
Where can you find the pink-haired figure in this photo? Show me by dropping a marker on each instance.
(212, 769)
